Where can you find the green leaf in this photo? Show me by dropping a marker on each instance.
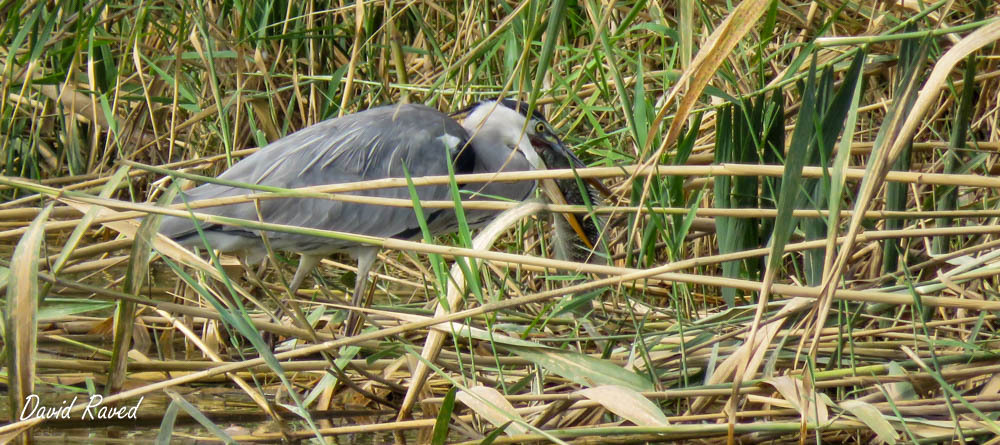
(871, 416)
(628, 404)
(791, 178)
(582, 369)
(440, 436)
(494, 407)
(60, 307)
(167, 424)
(492, 437)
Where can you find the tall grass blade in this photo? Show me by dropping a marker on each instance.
(21, 328)
(724, 225)
(838, 175)
(773, 153)
(437, 262)
(911, 58)
(493, 435)
(788, 200)
(746, 194)
(556, 13)
(951, 157)
(742, 134)
(135, 276)
(817, 190)
(834, 118)
(440, 434)
(676, 197)
(167, 424)
(470, 268)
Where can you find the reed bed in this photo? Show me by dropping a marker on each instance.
(801, 225)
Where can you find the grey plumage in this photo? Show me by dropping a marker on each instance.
(352, 148)
(373, 144)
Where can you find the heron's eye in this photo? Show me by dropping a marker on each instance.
(539, 128)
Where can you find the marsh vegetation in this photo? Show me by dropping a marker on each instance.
(800, 230)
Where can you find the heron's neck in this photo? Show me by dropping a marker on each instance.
(496, 130)
(496, 123)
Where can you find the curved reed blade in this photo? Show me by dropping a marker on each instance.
(21, 318)
(432, 346)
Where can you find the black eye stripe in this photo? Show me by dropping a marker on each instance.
(522, 107)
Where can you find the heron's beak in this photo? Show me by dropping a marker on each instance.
(567, 159)
(561, 156)
(556, 196)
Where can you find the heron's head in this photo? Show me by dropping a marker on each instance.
(511, 123)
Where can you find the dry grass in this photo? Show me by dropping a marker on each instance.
(877, 322)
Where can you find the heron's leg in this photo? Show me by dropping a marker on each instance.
(306, 264)
(366, 258)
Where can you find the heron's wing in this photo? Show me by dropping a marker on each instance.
(369, 145)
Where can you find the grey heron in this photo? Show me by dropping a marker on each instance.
(495, 136)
